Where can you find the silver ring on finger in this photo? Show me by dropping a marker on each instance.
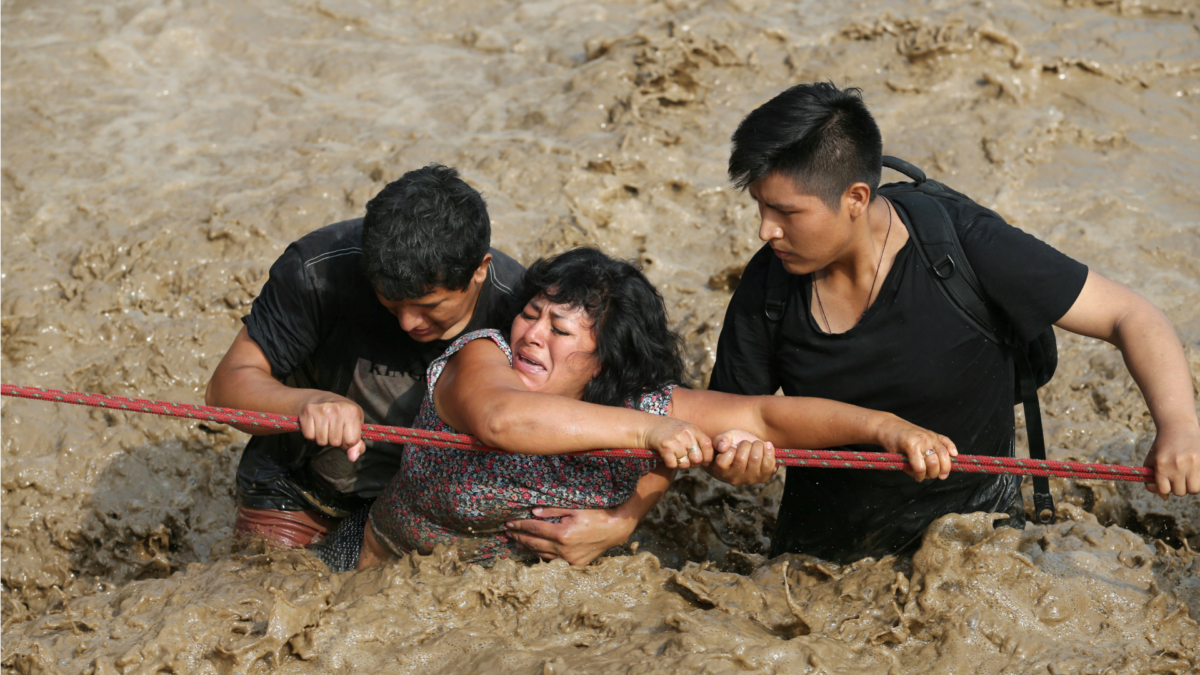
(928, 452)
(694, 448)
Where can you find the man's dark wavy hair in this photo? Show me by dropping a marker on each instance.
(426, 229)
(821, 137)
(637, 350)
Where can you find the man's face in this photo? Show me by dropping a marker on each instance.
(802, 230)
(440, 314)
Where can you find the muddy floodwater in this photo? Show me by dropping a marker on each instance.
(159, 155)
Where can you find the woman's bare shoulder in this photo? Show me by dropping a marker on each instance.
(480, 363)
(475, 355)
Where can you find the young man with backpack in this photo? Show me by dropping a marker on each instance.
(911, 298)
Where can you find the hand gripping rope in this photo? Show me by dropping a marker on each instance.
(833, 459)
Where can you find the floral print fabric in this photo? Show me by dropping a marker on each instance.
(464, 497)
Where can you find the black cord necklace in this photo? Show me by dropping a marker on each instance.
(878, 265)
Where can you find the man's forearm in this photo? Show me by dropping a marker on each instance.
(325, 418)
(243, 380)
(1108, 311)
(786, 421)
(1155, 359)
(818, 423)
(249, 388)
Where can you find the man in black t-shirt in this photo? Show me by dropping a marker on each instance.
(865, 323)
(341, 334)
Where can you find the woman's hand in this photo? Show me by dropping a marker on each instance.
(742, 458)
(579, 537)
(680, 444)
(928, 453)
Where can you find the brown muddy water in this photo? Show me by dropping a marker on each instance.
(158, 156)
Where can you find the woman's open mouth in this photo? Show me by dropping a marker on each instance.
(529, 365)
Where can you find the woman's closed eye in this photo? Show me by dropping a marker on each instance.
(532, 318)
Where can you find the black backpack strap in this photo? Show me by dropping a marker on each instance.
(897, 164)
(938, 246)
(1043, 503)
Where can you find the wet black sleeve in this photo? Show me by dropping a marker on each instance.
(744, 355)
(508, 281)
(285, 319)
(1029, 280)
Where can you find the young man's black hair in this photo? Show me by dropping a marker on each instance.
(821, 137)
(429, 228)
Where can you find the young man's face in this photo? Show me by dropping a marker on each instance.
(442, 313)
(801, 228)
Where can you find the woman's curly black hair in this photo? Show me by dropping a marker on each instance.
(637, 350)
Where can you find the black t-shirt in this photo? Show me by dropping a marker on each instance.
(913, 355)
(321, 327)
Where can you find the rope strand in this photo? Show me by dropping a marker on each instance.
(833, 459)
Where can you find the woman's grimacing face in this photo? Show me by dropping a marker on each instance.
(554, 348)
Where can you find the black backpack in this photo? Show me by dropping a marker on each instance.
(937, 243)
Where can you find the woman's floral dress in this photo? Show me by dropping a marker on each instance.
(464, 497)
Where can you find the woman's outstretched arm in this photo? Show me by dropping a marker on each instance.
(801, 422)
(478, 393)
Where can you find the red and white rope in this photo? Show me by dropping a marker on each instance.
(834, 459)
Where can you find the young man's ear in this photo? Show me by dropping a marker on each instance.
(481, 272)
(856, 199)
